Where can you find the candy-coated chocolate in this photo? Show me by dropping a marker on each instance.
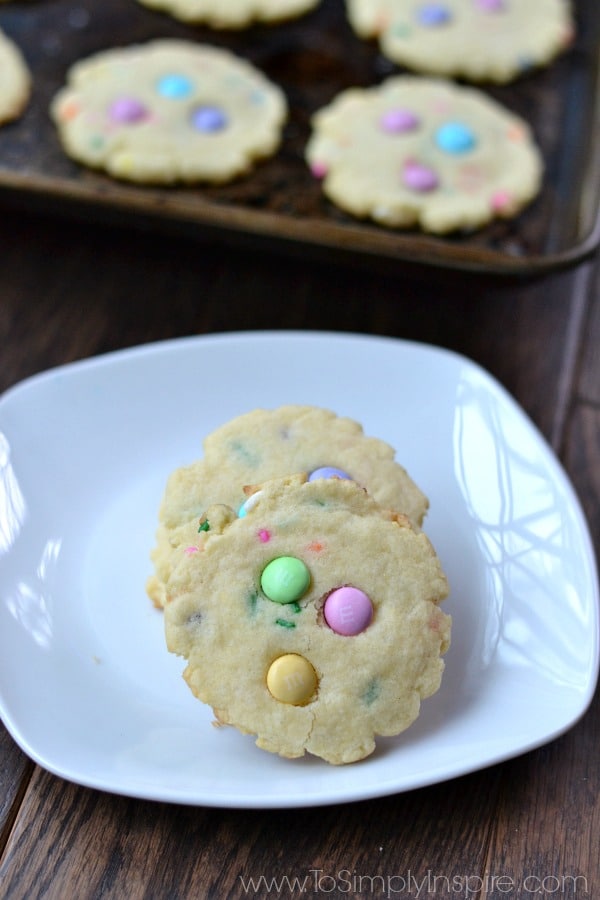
(292, 679)
(328, 472)
(127, 110)
(209, 119)
(490, 5)
(433, 14)
(174, 86)
(248, 504)
(455, 138)
(348, 610)
(285, 579)
(420, 178)
(399, 121)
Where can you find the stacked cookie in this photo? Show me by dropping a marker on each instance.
(307, 604)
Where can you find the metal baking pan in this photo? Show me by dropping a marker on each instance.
(280, 203)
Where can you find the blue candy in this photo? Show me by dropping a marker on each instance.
(454, 137)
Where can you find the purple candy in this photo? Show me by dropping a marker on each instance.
(348, 610)
(209, 119)
(433, 14)
(328, 472)
(127, 110)
(490, 5)
(420, 178)
(397, 121)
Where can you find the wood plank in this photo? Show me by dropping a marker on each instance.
(589, 387)
(70, 841)
(15, 771)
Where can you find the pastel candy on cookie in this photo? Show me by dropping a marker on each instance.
(327, 472)
(169, 111)
(432, 15)
(292, 679)
(449, 172)
(478, 40)
(399, 120)
(264, 444)
(128, 109)
(455, 137)
(348, 610)
(285, 579)
(351, 658)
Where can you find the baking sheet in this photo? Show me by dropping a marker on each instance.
(280, 203)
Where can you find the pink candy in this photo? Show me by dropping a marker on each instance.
(418, 177)
(398, 121)
(491, 5)
(348, 610)
(128, 110)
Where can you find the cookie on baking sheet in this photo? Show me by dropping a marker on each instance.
(265, 444)
(479, 40)
(424, 152)
(232, 13)
(311, 622)
(15, 80)
(169, 111)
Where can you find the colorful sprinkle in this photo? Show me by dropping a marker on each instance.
(348, 610)
(242, 452)
(285, 623)
(501, 201)
(370, 695)
(252, 603)
(69, 110)
(455, 138)
(174, 86)
(419, 177)
(204, 525)
(285, 579)
(264, 536)
(316, 547)
(319, 169)
(209, 119)
(399, 121)
(127, 110)
(292, 679)
(189, 551)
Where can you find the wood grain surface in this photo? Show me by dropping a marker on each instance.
(526, 828)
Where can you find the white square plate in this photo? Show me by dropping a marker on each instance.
(87, 688)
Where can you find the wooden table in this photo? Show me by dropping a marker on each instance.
(529, 827)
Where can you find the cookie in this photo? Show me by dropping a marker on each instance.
(232, 13)
(265, 444)
(15, 79)
(169, 111)
(312, 622)
(478, 40)
(424, 152)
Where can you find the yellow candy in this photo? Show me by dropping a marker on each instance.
(292, 679)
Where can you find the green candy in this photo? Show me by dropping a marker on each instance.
(285, 579)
